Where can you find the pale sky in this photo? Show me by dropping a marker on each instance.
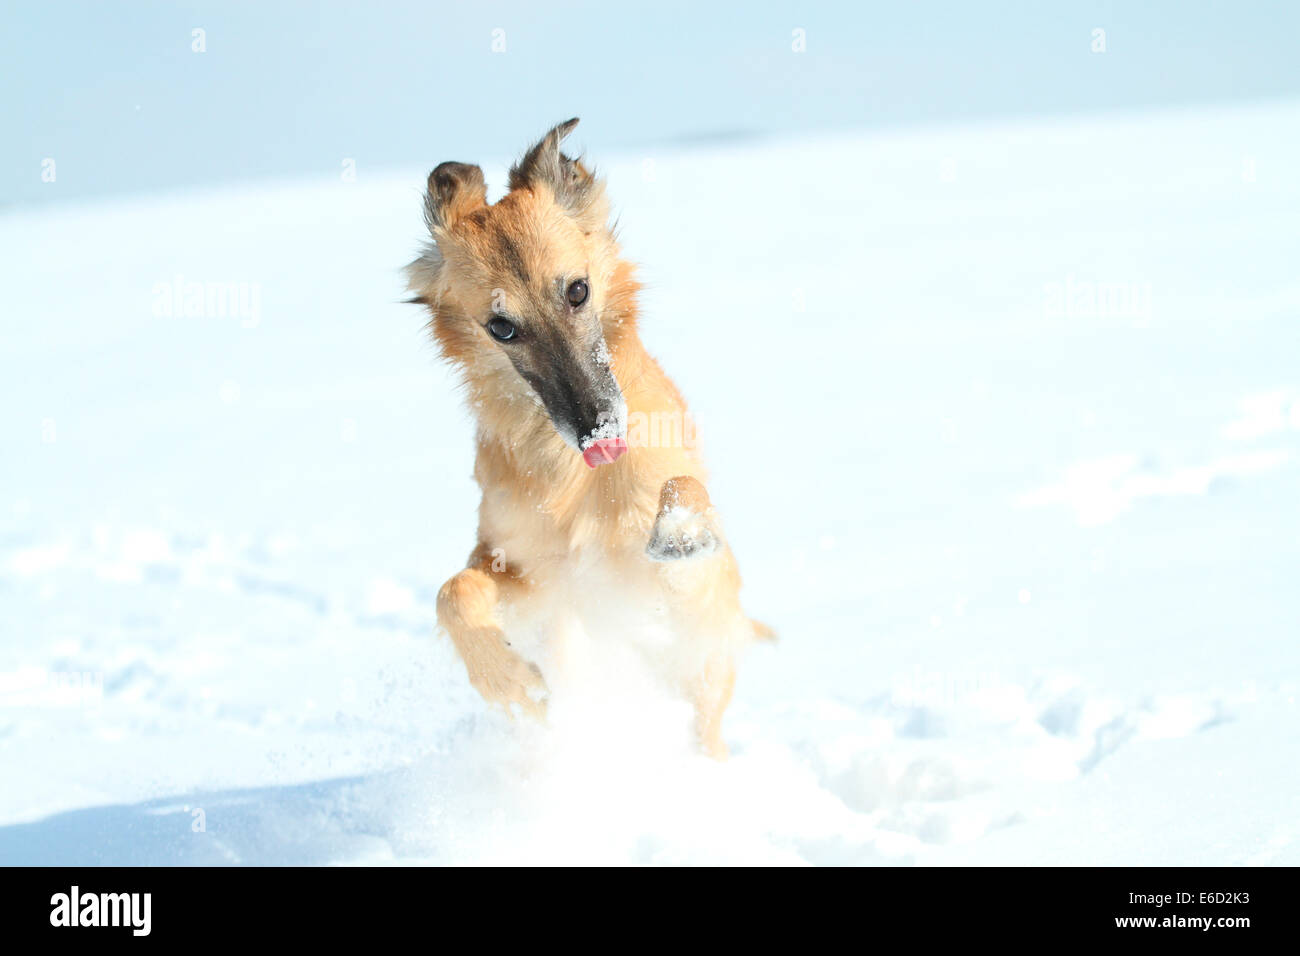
(116, 95)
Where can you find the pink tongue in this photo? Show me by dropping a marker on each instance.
(604, 451)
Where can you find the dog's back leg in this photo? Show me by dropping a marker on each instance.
(468, 611)
(710, 692)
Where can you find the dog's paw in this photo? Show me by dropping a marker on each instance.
(681, 533)
(505, 679)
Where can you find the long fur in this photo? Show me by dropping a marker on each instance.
(546, 516)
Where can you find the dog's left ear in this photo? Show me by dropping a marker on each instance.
(575, 188)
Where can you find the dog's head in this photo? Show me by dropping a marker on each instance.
(528, 293)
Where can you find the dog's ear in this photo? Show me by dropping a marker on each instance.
(575, 188)
(455, 190)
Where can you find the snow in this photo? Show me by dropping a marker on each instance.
(1003, 426)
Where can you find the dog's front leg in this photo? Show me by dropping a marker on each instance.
(686, 526)
(467, 611)
(700, 577)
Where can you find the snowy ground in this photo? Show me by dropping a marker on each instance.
(1004, 422)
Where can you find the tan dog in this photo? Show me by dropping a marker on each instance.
(584, 512)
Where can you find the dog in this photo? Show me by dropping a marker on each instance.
(532, 302)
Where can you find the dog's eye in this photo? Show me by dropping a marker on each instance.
(577, 293)
(503, 330)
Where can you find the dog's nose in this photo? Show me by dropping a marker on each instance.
(604, 451)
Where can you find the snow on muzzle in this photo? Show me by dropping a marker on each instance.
(583, 399)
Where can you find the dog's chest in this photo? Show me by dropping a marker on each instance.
(591, 597)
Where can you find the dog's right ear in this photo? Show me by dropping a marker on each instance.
(455, 190)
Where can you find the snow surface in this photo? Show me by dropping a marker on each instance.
(1003, 422)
